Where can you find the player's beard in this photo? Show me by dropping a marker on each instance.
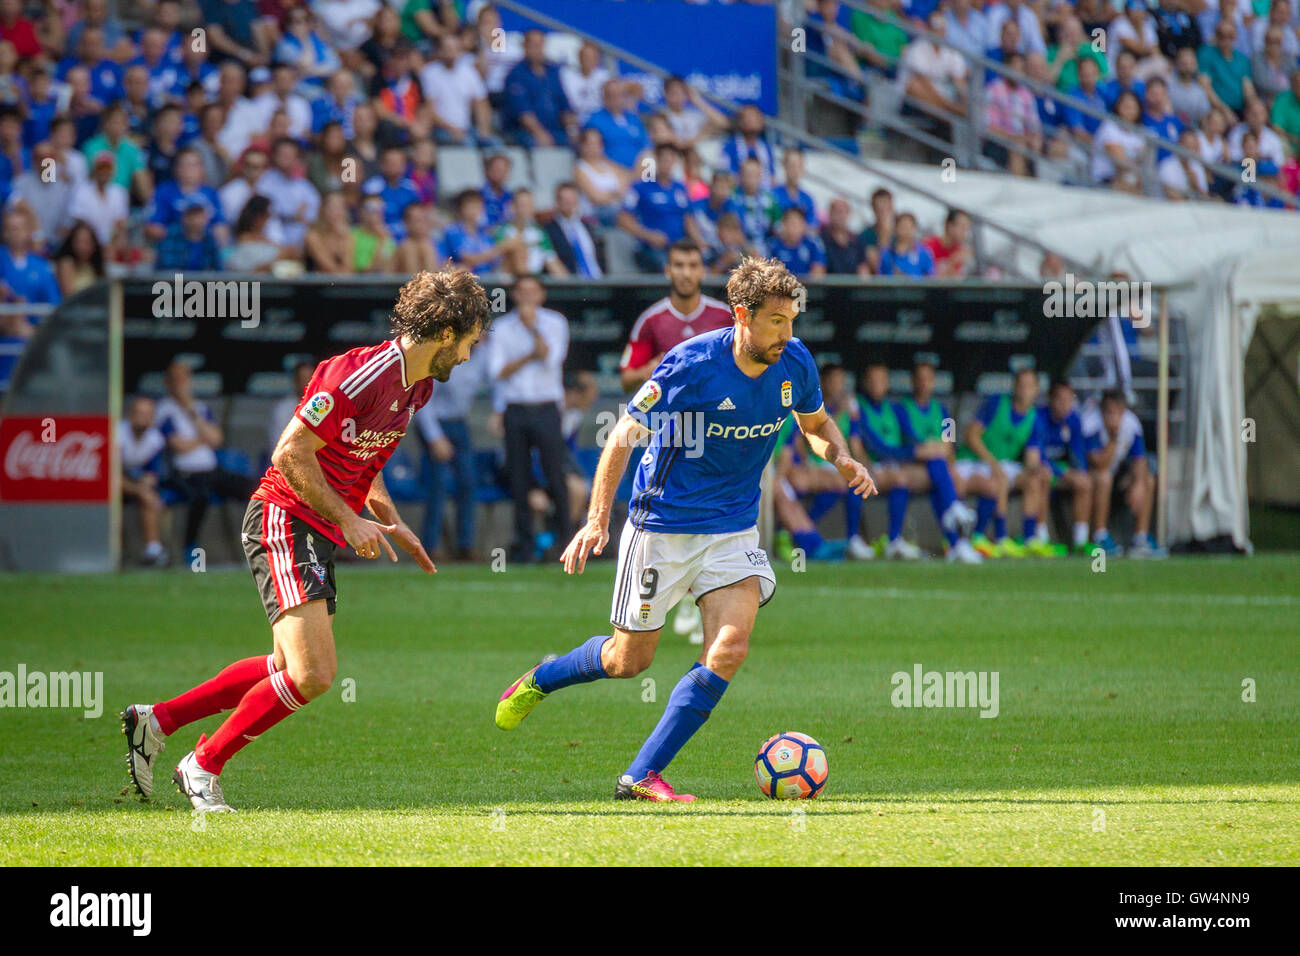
(443, 361)
(768, 356)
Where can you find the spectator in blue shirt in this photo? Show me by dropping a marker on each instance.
(170, 198)
(657, 211)
(234, 31)
(105, 74)
(336, 104)
(467, 243)
(496, 196)
(749, 142)
(536, 110)
(1158, 117)
(42, 103)
(15, 158)
(624, 134)
(1124, 81)
(188, 245)
(799, 251)
(25, 276)
(711, 208)
(788, 193)
(1082, 125)
(394, 187)
(905, 256)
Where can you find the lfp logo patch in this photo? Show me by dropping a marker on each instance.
(649, 394)
(787, 394)
(316, 408)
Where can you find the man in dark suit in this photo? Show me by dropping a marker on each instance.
(573, 241)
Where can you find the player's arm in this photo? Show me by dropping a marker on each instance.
(826, 441)
(594, 535)
(295, 458)
(975, 442)
(380, 503)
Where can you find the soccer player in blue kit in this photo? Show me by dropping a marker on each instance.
(691, 524)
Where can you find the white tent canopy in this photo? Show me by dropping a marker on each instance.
(1226, 261)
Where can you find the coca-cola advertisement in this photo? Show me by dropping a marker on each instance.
(54, 458)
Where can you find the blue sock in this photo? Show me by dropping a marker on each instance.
(1031, 525)
(897, 511)
(983, 513)
(810, 541)
(692, 700)
(945, 493)
(1000, 527)
(853, 513)
(580, 666)
(823, 503)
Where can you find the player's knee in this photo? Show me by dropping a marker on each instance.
(312, 679)
(626, 662)
(726, 655)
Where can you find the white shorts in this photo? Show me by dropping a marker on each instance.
(656, 570)
(974, 466)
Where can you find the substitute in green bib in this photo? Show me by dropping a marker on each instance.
(1004, 443)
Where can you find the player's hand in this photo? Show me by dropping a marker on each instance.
(590, 539)
(366, 537)
(859, 479)
(408, 541)
(442, 450)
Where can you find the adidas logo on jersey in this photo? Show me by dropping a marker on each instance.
(393, 407)
(727, 405)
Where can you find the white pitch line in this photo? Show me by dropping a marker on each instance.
(914, 594)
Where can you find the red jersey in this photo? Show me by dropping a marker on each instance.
(359, 403)
(660, 327)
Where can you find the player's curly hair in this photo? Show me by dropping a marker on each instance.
(756, 280)
(450, 298)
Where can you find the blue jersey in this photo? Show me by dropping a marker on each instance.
(715, 428)
(1063, 441)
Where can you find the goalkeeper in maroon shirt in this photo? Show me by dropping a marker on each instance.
(325, 468)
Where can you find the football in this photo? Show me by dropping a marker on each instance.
(791, 766)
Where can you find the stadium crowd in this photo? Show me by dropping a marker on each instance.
(280, 136)
(1220, 78)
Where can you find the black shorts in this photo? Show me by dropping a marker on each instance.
(292, 562)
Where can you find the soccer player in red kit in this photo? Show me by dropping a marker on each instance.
(682, 314)
(325, 468)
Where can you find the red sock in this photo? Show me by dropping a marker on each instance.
(267, 703)
(213, 696)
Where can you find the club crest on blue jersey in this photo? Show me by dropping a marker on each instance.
(787, 393)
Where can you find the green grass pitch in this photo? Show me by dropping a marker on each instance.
(1122, 735)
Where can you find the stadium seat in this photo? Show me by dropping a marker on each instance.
(552, 165)
(459, 167)
(521, 169)
(402, 476)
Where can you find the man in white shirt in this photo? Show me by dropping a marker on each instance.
(47, 197)
(932, 73)
(455, 91)
(101, 203)
(1256, 121)
(281, 96)
(283, 410)
(141, 445)
(583, 84)
(294, 201)
(193, 438)
(526, 361)
(243, 118)
(1031, 31)
(235, 194)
